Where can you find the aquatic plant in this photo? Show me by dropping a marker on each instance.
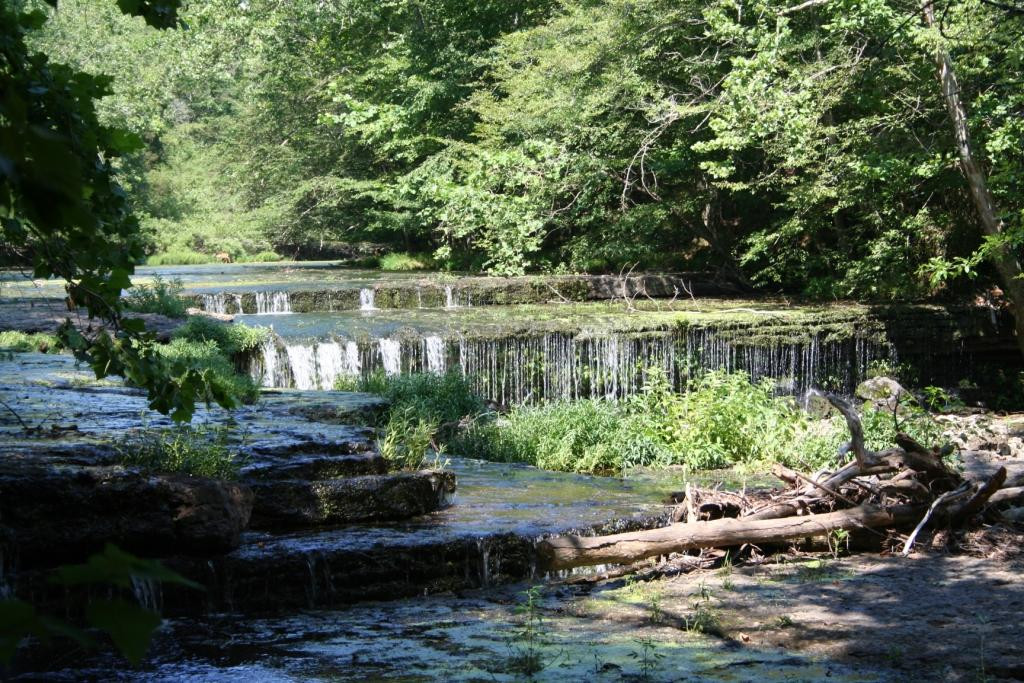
(199, 451)
(527, 642)
(163, 297)
(723, 420)
(406, 439)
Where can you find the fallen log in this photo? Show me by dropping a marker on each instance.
(565, 552)
(1006, 495)
(978, 500)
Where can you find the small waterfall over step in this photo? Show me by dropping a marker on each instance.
(390, 356)
(271, 302)
(433, 348)
(366, 296)
(561, 365)
(260, 303)
(307, 366)
(218, 303)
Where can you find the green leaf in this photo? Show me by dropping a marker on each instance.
(115, 566)
(130, 626)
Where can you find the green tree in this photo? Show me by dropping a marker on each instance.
(63, 215)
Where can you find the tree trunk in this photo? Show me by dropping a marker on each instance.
(564, 552)
(1006, 263)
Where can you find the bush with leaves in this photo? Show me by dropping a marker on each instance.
(723, 420)
(163, 297)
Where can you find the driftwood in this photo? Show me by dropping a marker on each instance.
(897, 488)
(564, 552)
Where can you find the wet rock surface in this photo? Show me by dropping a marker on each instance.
(47, 314)
(64, 513)
(299, 503)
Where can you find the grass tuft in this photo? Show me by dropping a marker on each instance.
(24, 342)
(200, 451)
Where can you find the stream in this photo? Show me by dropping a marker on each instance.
(440, 596)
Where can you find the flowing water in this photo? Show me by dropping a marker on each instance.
(511, 355)
(471, 553)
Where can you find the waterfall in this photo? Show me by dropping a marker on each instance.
(352, 363)
(302, 360)
(390, 355)
(562, 365)
(272, 302)
(434, 351)
(215, 303)
(449, 297)
(238, 303)
(366, 299)
(148, 593)
(270, 366)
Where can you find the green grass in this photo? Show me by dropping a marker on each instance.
(209, 358)
(210, 346)
(231, 339)
(199, 451)
(401, 261)
(723, 420)
(179, 257)
(260, 257)
(163, 297)
(24, 342)
(423, 410)
(438, 398)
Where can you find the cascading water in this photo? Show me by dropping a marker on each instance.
(434, 351)
(366, 296)
(449, 297)
(271, 303)
(390, 355)
(558, 365)
(215, 303)
(302, 360)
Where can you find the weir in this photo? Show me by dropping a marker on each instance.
(820, 350)
(437, 292)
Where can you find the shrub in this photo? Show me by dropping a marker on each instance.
(24, 342)
(200, 451)
(163, 297)
(260, 257)
(210, 358)
(399, 261)
(406, 439)
(179, 257)
(231, 339)
(722, 420)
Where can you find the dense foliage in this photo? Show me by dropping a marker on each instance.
(722, 420)
(803, 146)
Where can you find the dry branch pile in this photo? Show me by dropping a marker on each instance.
(893, 489)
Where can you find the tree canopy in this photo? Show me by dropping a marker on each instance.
(799, 147)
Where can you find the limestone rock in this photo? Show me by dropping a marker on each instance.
(296, 503)
(883, 392)
(63, 513)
